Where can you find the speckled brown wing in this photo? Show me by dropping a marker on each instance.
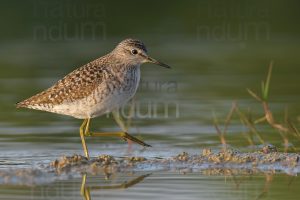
(77, 85)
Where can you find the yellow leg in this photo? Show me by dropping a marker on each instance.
(82, 130)
(123, 135)
(87, 127)
(84, 190)
(119, 120)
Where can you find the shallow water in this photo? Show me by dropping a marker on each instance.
(163, 185)
(173, 109)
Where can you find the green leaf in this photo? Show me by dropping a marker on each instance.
(267, 85)
(263, 90)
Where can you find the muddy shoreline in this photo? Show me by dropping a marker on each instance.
(221, 162)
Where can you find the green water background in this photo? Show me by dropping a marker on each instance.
(216, 49)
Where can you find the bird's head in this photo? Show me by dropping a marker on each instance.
(134, 52)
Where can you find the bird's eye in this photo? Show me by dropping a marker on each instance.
(134, 51)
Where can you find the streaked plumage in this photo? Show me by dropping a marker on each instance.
(101, 86)
(93, 89)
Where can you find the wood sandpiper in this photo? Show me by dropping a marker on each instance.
(101, 86)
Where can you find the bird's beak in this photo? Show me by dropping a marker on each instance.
(152, 60)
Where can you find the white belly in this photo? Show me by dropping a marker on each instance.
(96, 104)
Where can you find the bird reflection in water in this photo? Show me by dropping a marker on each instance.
(85, 189)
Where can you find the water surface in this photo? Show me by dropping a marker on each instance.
(174, 109)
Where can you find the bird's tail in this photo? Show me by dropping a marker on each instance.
(21, 104)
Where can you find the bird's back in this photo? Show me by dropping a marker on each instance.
(76, 85)
(89, 91)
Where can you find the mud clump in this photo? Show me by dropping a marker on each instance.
(135, 159)
(267, 156)
(104, 160)
(102, 163)
(217, 161)
(67, 161)
(269, 149)
(206, 152)
(80, 163)
(77, 160)
(182, 157)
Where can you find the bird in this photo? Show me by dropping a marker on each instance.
(99, 87)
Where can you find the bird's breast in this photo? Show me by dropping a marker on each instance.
(115, 91)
